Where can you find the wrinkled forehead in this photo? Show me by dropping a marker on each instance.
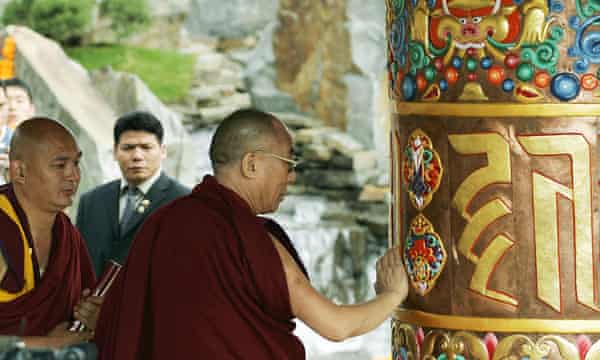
(54, 144)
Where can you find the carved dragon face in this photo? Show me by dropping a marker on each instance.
(470, 26)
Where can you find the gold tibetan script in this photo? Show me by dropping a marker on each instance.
(546, 191)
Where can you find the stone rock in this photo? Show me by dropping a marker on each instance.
(364, 160)
(209, 62)
(245, 43)
(316, 152)
(230, 19)
(374, 216)
(169, 7)
(328, 179)
(312, 55)
(163, 32)
(126, 92)
(313, 135)
(339, 214)
(359, 108)
(215, 69)
(297, 121)
(219, 95)
(63, 90)
(372, 193)
(260, 75)
(330, 56)
(343, 143)
(214, 115)
(340, 161)
(349, 279)
(348, 195)
(210, 94)
(198, 47)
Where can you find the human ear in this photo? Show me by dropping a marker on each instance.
(249, 165)
(163, 151)
(17, 171)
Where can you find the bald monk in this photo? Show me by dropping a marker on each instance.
(44, 265)
(208, 278)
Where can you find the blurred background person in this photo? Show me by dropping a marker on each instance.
(16, 106)
(110, 214)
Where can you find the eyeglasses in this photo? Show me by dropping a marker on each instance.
(292, 164)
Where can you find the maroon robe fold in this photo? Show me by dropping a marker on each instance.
(203, 280)
(54, 295)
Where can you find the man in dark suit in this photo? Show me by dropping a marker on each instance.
(109, 215)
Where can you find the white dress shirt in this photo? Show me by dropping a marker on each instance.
(143, 188)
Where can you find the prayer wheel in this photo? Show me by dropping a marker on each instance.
(495, 169)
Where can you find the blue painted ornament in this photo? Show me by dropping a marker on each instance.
(486, 63)
(443, 85)
(457, 62)
(508, 85)
(565, 86)
(409, 88)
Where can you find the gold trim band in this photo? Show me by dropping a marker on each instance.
(496, 109)
(511, 325)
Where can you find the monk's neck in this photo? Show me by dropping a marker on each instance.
(239, 189)
(40, 221)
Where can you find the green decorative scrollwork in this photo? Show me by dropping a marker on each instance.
(418, 57)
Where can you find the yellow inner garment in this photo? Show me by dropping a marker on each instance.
(6, 296)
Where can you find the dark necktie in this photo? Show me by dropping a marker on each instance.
(132, 195)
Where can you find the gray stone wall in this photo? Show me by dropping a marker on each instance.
(231, 18)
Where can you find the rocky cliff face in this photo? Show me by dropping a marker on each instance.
(323, 58)
(312, 56)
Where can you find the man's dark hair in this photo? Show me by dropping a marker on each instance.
(241, 132)
(138, 121)
(16, 82)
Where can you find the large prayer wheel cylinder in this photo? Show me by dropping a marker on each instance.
(495, 166)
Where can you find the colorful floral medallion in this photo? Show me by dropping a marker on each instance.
(422, 169)
(411, 342)
(424, 255)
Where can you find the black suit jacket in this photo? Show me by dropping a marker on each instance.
(98, 218)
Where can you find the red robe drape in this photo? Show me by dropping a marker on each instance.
(54, 295)
(203, 280)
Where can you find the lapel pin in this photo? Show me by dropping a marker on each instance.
(143, 205)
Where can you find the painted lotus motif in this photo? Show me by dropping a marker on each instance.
(424, 255)
(422, 169)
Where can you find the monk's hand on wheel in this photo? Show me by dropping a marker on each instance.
(60, 336)
(88, 309)
(391, 276)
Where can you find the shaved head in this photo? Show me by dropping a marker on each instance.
(44, 165)
(31, 134)
(241, 132)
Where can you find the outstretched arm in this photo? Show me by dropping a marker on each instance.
(339, 322)
(59, 337)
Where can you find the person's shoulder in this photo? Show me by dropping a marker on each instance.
(177, 188)
(101, 189)
(187, 207)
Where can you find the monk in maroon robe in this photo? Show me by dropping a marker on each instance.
(44, 265)
(207, 277)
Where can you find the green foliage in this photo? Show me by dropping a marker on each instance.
(17, 12)
(128, 16)
(62, 20)
(168, 74)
